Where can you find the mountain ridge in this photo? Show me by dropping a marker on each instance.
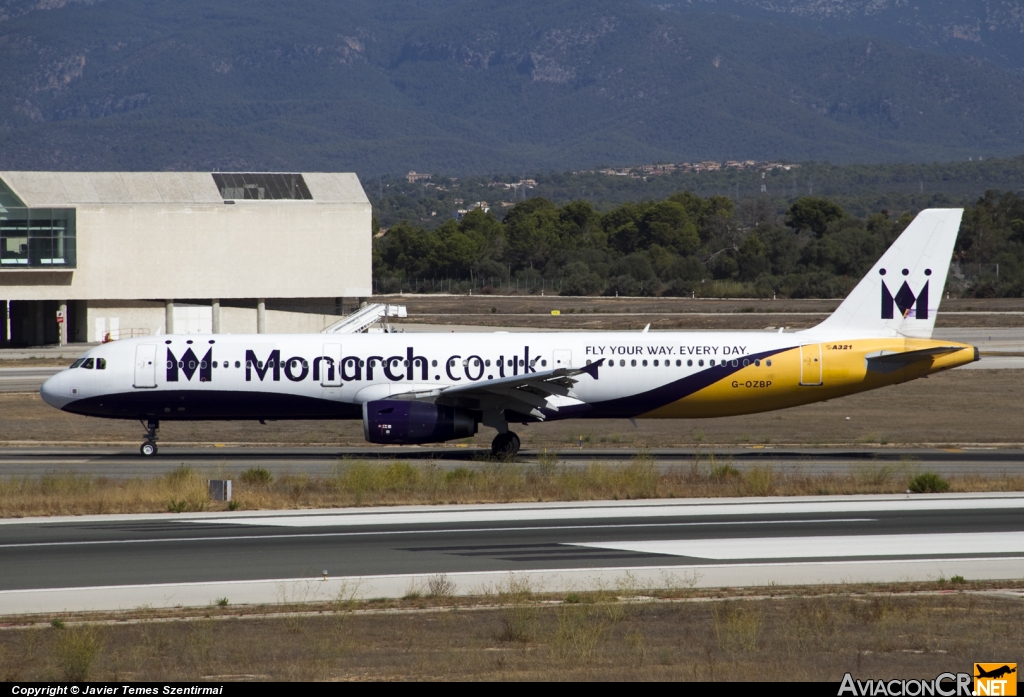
(473, 87)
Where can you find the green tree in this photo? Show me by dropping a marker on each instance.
(814, 214)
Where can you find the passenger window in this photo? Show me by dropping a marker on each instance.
(757, 363)
(202, 365)
(238, 364)
(88, 365)
(633, 363)
(622, 363)
(768, 362)
(544, 362)
(433, 363)
(101, 364)
(711, 362)
(745, 362)
(689, 363)
(655, 363)
(701, 363)
(645, 362)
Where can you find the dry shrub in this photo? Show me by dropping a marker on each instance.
(519, 621)
(257, 476)
(440, 586)
(760, 481)
(874, 475)
(737, 627)
(76, 649)
(578, 632)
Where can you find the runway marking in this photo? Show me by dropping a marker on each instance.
(500, 576)
(71, 543)
(827, 546)
(656, 511)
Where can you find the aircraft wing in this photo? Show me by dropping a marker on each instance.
(526, 394)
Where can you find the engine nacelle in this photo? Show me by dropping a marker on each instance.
(404, 422)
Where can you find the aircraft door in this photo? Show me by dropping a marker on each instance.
(562, 358)
(810, 365)
(330, 366)
(145, 365)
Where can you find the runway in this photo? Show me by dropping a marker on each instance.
(125, 461)
(111, 562)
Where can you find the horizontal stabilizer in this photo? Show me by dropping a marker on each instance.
(886, 362)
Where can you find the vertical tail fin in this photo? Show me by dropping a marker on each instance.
(901, 293)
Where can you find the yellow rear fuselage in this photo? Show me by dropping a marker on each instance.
(814, 373)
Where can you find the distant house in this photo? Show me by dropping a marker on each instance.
(414, 177)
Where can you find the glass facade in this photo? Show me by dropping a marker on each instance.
(35, 238)
(261, 185)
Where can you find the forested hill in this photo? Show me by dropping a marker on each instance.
(474, 86)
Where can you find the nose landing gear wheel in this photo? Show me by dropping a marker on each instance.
(505, 445)
(148, 449)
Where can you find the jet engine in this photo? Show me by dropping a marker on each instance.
(403, 422)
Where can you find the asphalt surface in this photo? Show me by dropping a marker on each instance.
(130, 550)
(120, 462)
(25, 379)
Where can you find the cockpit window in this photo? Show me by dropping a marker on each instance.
(77, 364)
(88, 365)
(101, 364)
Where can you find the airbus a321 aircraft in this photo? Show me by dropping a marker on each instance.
(431, 388)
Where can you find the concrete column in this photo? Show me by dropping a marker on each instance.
(39, 335)
(261, 316)
(169, 316)
(62, 328)
(215, 303)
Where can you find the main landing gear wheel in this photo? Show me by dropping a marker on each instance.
(505, 445)
(148, 449)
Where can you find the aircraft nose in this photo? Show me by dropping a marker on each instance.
(50, 392)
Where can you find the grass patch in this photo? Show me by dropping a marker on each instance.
(779, 634)
(360, 483)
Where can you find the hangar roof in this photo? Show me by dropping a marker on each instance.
(53, 189)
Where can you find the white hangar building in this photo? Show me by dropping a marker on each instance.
(93, 256)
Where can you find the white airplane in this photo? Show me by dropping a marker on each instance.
(431, 388)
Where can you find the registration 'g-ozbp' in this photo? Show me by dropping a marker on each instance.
(430, 388)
